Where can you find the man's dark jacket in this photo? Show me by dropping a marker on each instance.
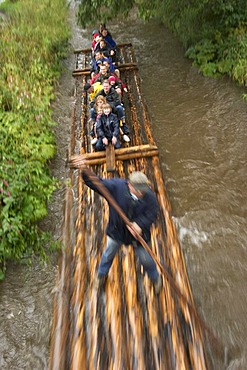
(112, 98)
(143, 211)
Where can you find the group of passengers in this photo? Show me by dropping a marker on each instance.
(105, 89)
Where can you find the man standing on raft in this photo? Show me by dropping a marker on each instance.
(138, 201)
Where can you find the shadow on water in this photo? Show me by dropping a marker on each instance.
(200, 127)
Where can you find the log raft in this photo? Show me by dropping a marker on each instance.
(124, 325)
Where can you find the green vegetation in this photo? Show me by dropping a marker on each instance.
(213, 32)
(34, 38)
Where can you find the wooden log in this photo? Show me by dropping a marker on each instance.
(120, 154)
(81, 72)
(122, 157)
(129, 150)
(87, 71)
(60, 327)
(110, 158)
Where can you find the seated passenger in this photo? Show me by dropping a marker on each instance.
(92, 90)
(111, 67)
(95, 35)
(95, 63)
(107, 129)
(108, 37)
(112, 98)
(105, 74)
(124, 130)
(108, 63)
(116, 84)
(99, 110)
(99, 102)
(113, 54)
(105, 48)
(98, 64)
(101, 76)
(94, 114)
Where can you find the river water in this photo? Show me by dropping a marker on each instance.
(200, 128)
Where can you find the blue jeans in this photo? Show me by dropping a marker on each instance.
(112, 246)
(93, 114)
(120, 112)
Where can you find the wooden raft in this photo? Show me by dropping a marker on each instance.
(125, 325)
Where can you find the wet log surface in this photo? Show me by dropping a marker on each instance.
(122, 325)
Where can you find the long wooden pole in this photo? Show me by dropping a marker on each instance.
(60, 327)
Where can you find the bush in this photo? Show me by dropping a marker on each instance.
(214, 32)
(34, 38)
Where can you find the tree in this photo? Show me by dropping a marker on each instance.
(213, 32)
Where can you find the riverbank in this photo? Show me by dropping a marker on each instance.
(26, 293)
(33, 42)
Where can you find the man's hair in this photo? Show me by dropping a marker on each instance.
(103, 66)
(139, 181)
(86, 87)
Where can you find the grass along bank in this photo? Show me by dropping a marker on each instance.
(34, 39)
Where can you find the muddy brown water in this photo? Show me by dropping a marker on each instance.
(200, 127)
